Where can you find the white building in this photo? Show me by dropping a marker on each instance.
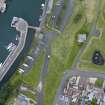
(81, 38)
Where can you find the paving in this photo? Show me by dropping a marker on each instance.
(57, 11)
(95, 31)
(88, 74)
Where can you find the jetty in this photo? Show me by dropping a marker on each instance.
(22, 27)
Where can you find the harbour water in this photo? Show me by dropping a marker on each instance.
(30, 10)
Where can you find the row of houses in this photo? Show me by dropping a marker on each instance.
(84, 90)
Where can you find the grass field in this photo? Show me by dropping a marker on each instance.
(95, 43)
(90, 9)
(64, 50)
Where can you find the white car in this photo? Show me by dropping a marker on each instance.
(49, 56)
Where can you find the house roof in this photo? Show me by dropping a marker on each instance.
(81, 37)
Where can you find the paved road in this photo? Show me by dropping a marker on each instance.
(57, 100)
(67, 15)
(57, 12)
(45, 65)
(49, 36)
(42, 77)
(88, 74)
(94, 30)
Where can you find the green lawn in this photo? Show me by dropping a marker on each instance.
(64, 50)
(99, 83)
(29, 94)
(94, 44)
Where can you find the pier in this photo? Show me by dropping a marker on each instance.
(35, 28)
(28, 22)
(22, 27)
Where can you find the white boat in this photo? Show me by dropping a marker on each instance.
(14, 21)
(3, 8)
(40, 19)
(17, 37)
(11, 47)
(42, 6)
(21, 71)
(1, 65)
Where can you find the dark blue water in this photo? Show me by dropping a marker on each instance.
(30, 10)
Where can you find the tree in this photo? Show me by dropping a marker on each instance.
(94, 101)
(77, 17)
(99, 83)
